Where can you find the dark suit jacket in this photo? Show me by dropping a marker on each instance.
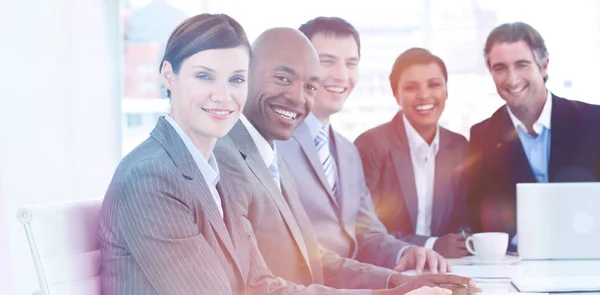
(499, 162)
(161, 231)
(284, 232)
(387, 163)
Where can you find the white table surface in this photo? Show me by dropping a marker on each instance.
(495, 279)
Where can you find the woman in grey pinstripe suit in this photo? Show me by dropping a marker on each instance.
(164, 228)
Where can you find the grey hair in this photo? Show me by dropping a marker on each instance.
(515, 32)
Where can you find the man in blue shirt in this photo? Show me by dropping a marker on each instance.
(536, 137)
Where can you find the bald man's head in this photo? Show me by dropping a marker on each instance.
(283, 79)
(277, 39)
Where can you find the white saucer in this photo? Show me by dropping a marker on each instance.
(506, 260)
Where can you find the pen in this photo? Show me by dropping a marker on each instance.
(464, 232)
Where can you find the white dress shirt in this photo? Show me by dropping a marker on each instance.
(209, 169)
(423, 161)
(544, 121)
(268, 154)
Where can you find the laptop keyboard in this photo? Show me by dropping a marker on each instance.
(577, 283)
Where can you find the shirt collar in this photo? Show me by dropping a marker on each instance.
(416, 141)
(210, 168)
(544, 120)
(267, 153)
(314, 125)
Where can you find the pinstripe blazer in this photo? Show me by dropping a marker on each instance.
(161, 231)
(285, 235)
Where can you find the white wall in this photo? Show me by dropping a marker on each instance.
(572, 43)
(60, 116)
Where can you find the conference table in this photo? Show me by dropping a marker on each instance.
(496, 279)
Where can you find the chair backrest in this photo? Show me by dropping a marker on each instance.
(63, 239)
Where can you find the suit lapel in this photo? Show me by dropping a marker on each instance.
(404, 168)
(244, 143)
(303, 137)
(443, 194)
(509, 147)
(289, 191)
(226, 192)
(258, 168)
(561, 136)
(343, 161)
(251, 155)
(218, 223)
(182, 158)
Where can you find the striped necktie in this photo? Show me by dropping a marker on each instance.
(274, 171)
(327, 161)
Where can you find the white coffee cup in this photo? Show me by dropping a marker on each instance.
(488, 246)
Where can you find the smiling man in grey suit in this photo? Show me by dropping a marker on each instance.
(284, 77)
(327, 166)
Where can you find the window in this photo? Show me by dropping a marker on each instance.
(454, 30)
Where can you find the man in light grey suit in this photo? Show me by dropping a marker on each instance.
(285, 76)
(327, 166)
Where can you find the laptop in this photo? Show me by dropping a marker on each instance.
(558, 220)
(552, 284)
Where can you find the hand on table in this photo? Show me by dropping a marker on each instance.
(451, 246)
(418, 258)
(455, 284)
